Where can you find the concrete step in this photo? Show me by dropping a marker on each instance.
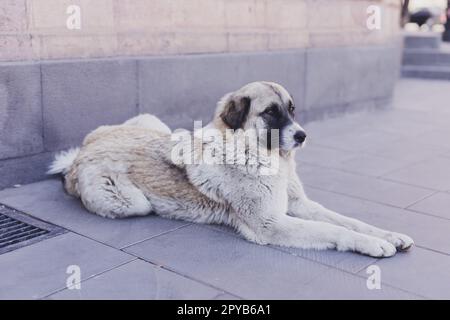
(431, 40)
(426, 72)
(426, 57)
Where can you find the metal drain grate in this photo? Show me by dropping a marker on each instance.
(19, 230)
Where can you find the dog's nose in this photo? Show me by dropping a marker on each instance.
(300, 136)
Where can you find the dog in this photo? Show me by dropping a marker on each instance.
(129, 170)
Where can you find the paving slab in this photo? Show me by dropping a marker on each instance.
(438, 204)
(340, 285)
(409, 95)
(347, 261)
(396, 116)
(347, 161)
(355, 124)
(360, 141)
(323, 155)
(386, 135)
(395, 123)
(226, 296)
(334, 126)
(368, 188)
(37, 270)
(420, 271)
(435, 137)
(370, 165)
(138, 280)
(433, 174)
(406, 150)
(46, 200)
(427, 231)
(241, 268)
(398, 119)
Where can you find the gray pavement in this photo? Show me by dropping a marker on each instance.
(390, 168)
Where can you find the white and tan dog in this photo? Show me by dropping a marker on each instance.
(129, 170)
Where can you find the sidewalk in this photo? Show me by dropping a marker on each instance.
(390, 168)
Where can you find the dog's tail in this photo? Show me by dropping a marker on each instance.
(63, 161)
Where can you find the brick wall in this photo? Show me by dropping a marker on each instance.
(36, 29)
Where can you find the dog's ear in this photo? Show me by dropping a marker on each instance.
(235, 112)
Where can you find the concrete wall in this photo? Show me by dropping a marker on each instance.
(130, 57)
(36, 29)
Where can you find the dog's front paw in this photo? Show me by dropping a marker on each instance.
(376, 247)
(401, 241)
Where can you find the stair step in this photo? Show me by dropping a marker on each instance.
(430, 40)
(423, 57)
(426, 72)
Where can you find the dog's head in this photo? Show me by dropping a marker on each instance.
(262, 106)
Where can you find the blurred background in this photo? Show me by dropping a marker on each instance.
(426, 15)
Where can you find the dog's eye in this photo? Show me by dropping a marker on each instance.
(271, 111)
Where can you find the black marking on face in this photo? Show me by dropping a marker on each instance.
(291, 108)
(290, 104)
(276, 117)
(235, 112)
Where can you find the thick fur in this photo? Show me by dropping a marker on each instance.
(127, 170)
